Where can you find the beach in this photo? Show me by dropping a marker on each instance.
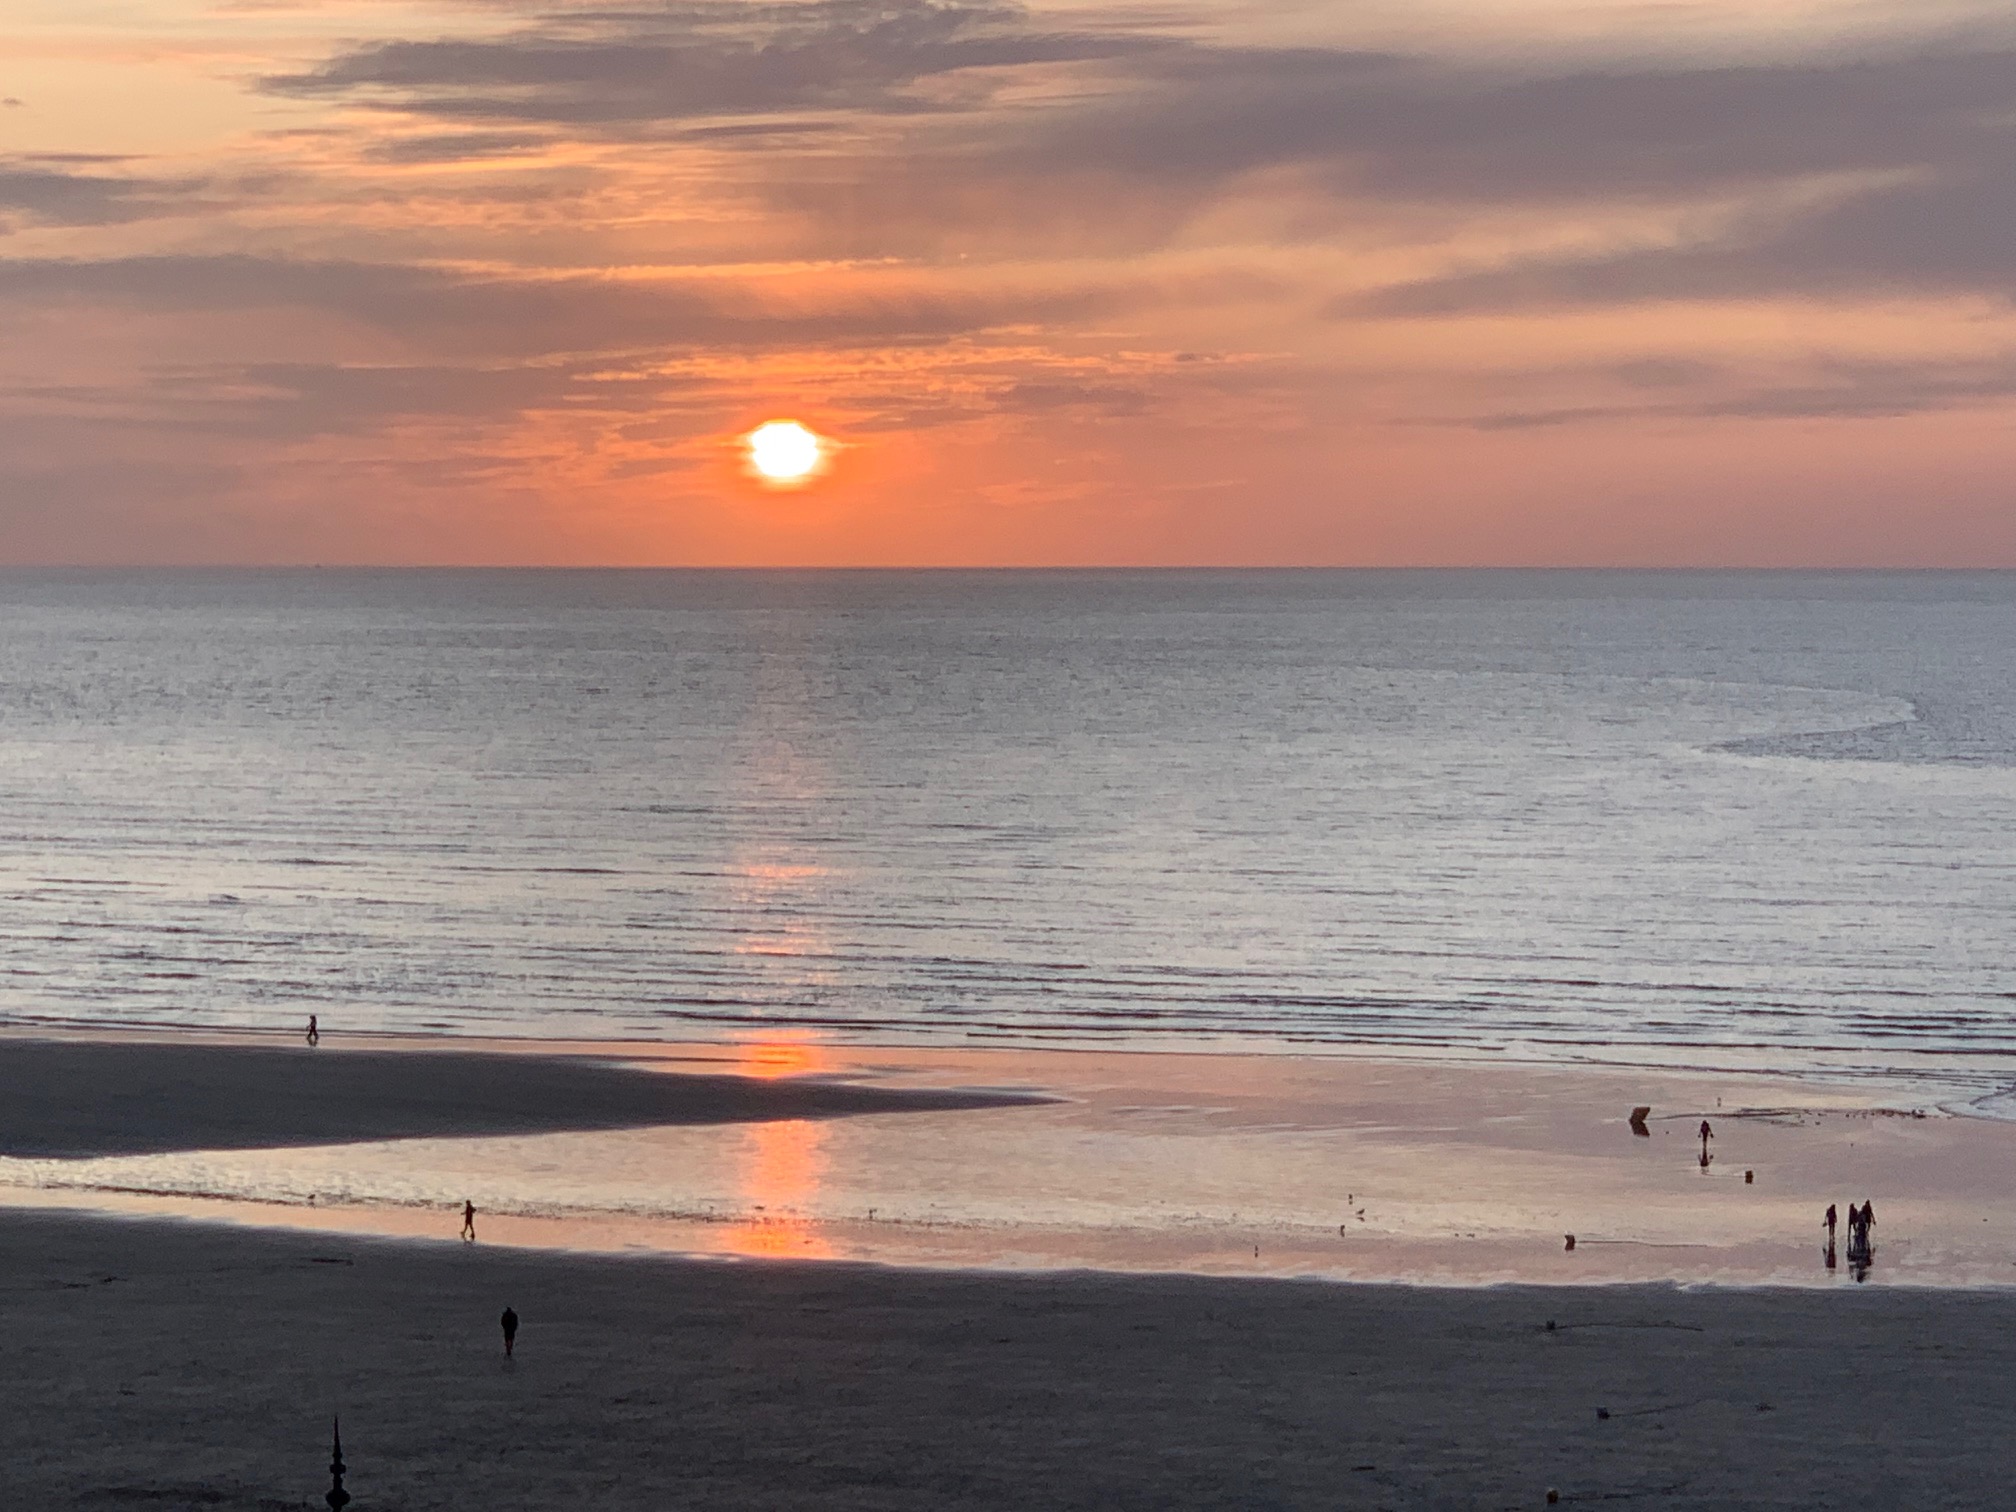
(174, 1360)
(178, 1365)
(1339, 1168)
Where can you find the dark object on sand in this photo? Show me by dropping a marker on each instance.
(336, 1496)
(510, 1323)
(468, 1220)
(1749, 1178)
(1638, 1117)
(1571, 1244)
(1860, 1252)
(314, 1031)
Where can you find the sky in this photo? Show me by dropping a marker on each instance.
(1294, 282)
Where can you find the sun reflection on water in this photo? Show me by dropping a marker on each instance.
(773, 1059)
(782, 1163)
(781, 1168)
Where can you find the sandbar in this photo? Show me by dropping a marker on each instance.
(72, 1098)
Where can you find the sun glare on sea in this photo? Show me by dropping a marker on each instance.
(785, 453)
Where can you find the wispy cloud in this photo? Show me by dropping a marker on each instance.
(473, 313)
(683, 62)
(45, 190)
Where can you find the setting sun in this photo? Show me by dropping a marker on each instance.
(785, 452)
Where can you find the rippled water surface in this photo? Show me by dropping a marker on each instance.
(1761, 819)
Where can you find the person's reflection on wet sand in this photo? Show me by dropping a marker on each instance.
(1861, 1254)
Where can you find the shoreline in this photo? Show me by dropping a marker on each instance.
(1947, 1096)
(1337, 1168)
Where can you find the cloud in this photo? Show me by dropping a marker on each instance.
(685, 61)
(1421, 130)
(36, 190)
(1830, 390)
(453, 147)
(1852, 156)
(472, 314)
(1949, 231)
(1040, 397)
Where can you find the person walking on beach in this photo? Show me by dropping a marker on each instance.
(314, 1031)
(510, 1322)
(1830, 1220)
(468, 1220)
(1858, 1233)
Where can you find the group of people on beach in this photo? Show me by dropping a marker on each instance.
(1860, 1221)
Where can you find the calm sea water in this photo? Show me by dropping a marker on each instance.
(1756, 819)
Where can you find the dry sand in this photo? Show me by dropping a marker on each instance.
(173, 1365)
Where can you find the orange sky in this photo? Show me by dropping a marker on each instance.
(1448, 281)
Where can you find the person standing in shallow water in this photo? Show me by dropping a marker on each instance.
(510, 1325)
(1830, 1220)
(468, 1220)
(314, 1031)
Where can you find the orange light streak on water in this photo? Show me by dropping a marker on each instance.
(771, 1060)
(781, 1173)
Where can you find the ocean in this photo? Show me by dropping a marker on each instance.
(1729, 820)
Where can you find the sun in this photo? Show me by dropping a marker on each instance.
(785, 453)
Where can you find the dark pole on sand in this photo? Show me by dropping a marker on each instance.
(336, 1496)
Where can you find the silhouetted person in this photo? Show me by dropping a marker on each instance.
(1859, 1220)
(314, 1031)
(1706, 1135)
(510, 1322)
(468, 1219)
(1830, 1220)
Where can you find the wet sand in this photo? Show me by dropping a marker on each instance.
(1220, 1164)
(141, 1095)
(178, 1365)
